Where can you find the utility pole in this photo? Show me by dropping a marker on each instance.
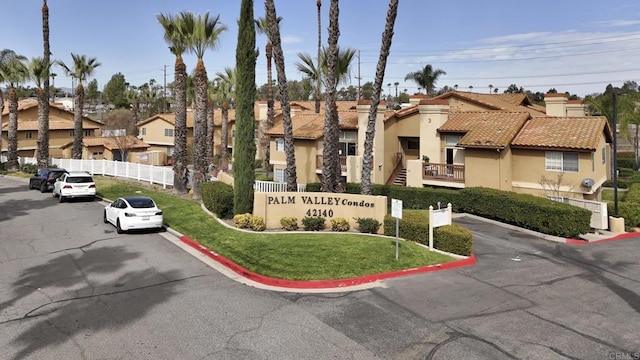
(358, 77)
(164, 91)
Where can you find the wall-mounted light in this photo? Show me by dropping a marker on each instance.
(380, 167)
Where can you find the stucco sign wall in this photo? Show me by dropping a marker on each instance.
(273, 206)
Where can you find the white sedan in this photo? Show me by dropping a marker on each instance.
(135, 212)
(75, 184)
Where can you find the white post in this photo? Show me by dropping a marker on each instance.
(430, 227)
(164, 178)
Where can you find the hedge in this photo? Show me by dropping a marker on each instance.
(218, 198)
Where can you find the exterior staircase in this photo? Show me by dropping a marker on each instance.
(401, 178)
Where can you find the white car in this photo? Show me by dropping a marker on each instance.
(135, 212)
(74, 185)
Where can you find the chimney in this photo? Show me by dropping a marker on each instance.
(575, 108)
(262, 110)
(295, 109)
(556, 104)
(415, 99)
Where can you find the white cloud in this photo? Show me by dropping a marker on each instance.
(617, 23)
(291, 39)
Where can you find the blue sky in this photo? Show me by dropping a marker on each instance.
(571, 45)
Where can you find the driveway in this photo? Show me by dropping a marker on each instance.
(71, 288)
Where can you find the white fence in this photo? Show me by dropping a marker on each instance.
(147, 173)
(599, 215)
(271, 186)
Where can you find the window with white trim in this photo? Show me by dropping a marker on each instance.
(168, 132)
(278, 175)
(561, 161)
(604, 156)
(280, 144)
(144, 131)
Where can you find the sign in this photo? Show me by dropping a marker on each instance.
(440, 217)
(396, 208)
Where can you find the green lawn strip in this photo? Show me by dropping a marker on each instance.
(307, 256)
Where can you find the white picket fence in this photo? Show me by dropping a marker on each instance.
(272, 186)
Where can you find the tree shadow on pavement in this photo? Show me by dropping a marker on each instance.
(15, 208)
(82, 292)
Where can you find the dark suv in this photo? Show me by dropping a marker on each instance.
(45, 178)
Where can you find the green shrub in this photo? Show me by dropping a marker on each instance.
(626, 163)
(368, 225)
(340, 224)
(218, 198)
(242, 221)
(29, 168)
(313, 223)
(263, 177)
(454, 239)
(625, 172)
(256, 223)
(289, 223)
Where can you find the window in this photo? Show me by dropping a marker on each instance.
(561, 161)
(452, 140)
(233, 133)
(347, 149)
(604, 156)
(170, 151)
(71, 133)
(98, 153)
(87, 133)
(278, 175)
(28, 135)
(348, 136)
(279, 144)
(413, 144)
(144, 131)
(168, 132)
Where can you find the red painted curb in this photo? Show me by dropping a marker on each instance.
(617, 237)
(320, 284)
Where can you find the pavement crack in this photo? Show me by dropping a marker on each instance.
(34, 312)
(455, 335)
(81, 247)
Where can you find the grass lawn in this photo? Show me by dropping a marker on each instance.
(308, 256)
(607, 195)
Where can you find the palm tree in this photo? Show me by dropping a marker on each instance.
(495, 90)
(211, 97)
(43, 100)
(175, 37)
(225, 93)
(81, 70)
(426, 78)
(278, 57)
(38, 72)
(470, 88)
(14, 71)
(396, 85)
(331, 170)
(262, 25)
(204, 33)
(490, 88)
(387, 36)
(5, 56)
(318, 80)
(311, 70)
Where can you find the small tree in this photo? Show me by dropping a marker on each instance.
(554, 186)
(120, 128)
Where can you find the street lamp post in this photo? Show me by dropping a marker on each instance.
(614, 115)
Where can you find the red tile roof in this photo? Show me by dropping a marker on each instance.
(493, 129)
(577, 133)
(309, 125)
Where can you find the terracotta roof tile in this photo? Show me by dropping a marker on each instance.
(309, 125)
(485, 129)
(579, 133)
(110, 143)
(505, 102)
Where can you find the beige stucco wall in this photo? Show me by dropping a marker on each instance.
(305, 154)
(274, 206)
(488, 168)
(459, 105)
(154, 133)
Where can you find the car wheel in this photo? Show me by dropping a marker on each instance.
(43, 187)
(53, 193)
(61, 198)
(30, 185)
(118, 228)
(104, 217)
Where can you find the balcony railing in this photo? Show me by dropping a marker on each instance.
(444, 172)
(320, 164)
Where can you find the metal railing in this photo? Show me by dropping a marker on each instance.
(444, 172)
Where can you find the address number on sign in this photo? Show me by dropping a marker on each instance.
(320, 212)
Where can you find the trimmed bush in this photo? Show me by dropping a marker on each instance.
(289, 223)
(340, 224)
(256, 223)
(242, 221)
(218, 198)
(313, 223)
(29, 168)
(368, 225)
(454, 239)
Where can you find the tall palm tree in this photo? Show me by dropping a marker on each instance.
(387, 36)
(175, 37)
(82, 69)
(37, 73)
(490, 88)
(426, 78)
(331, 170)
(14, 71)
(318, 80)
(211, 94)
(262, 26)
(5, 56)
(204, 33)
(310, 69)
(278, 56)
(225, 94)
(43, 100)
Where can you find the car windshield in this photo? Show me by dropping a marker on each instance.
(141, 203)
(79, 179)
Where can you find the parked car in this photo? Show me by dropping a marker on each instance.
(45, 178)
(135, 212)
(74, 185)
